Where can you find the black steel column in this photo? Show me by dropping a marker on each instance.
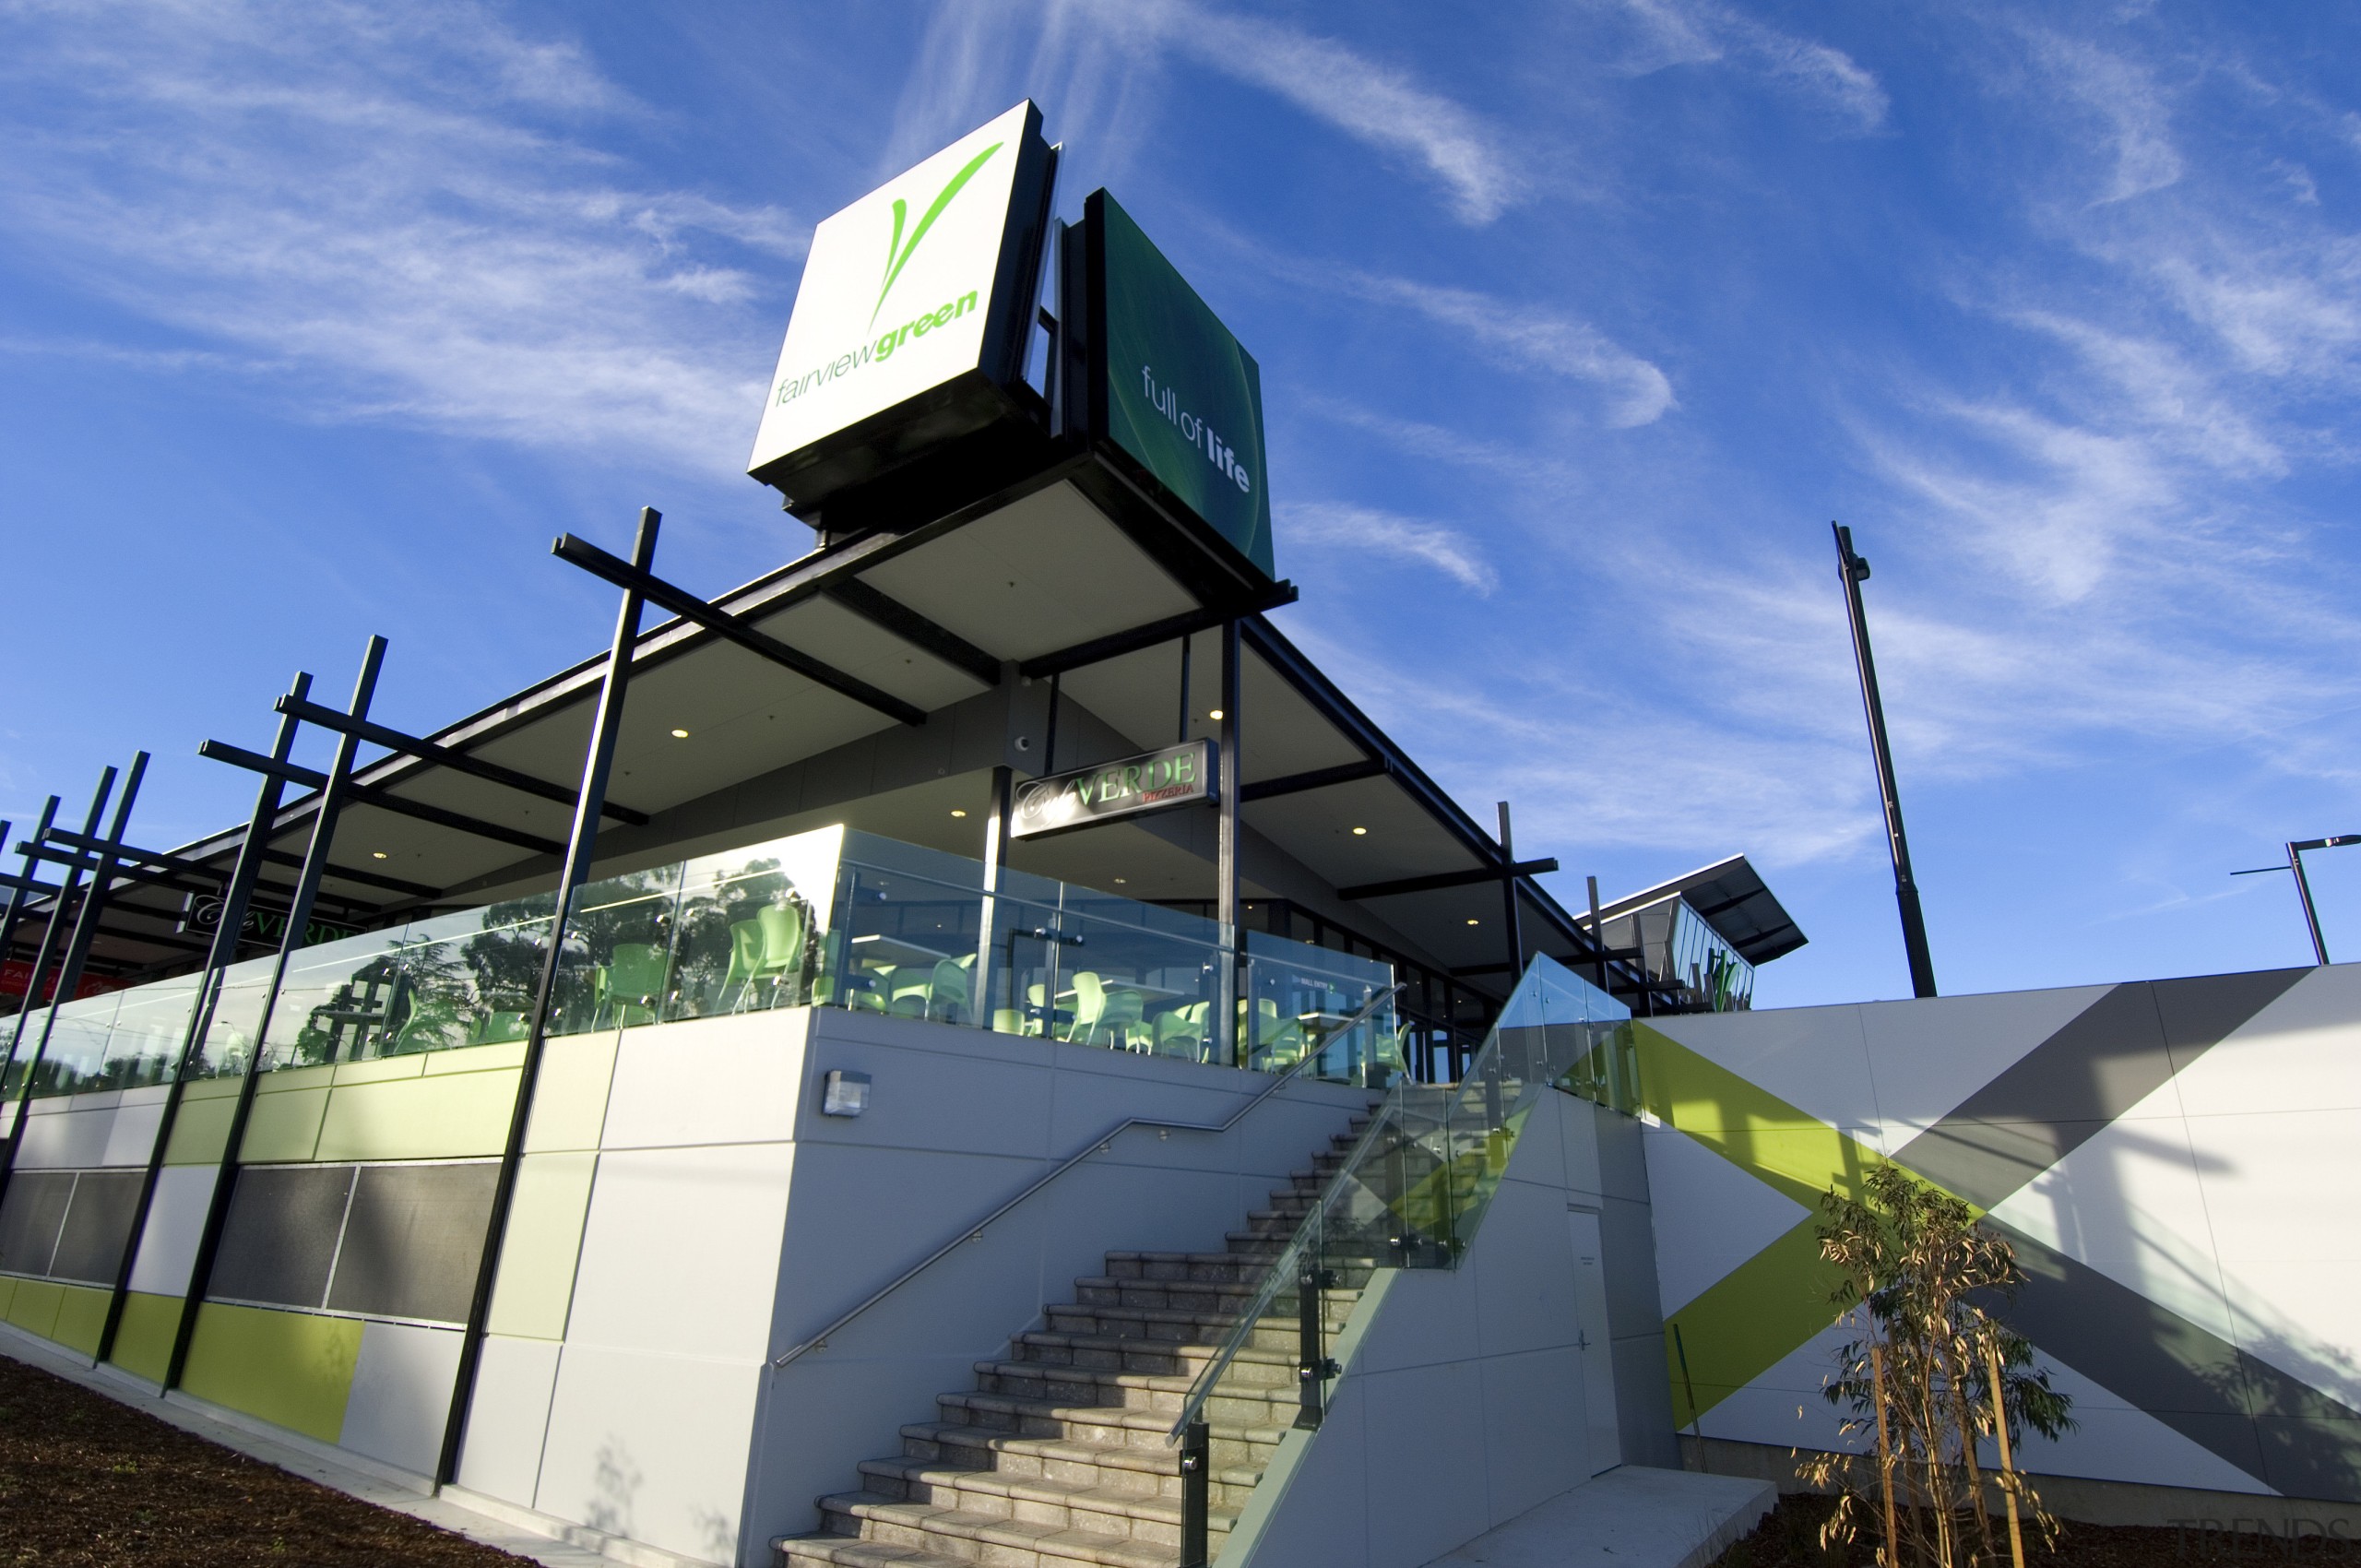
(1508, 900)
(223, 954)
(1197, 1494)
(77, 950)
(995, 860)
(20, 893)
(1599, 934)
(299, 918)
(53, 933)
(2304, 892)
(1238, 1041)
(1181, 737)
(580, 845)
(1853, 571)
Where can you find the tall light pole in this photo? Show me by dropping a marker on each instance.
(1853, 571)
(2296, 848)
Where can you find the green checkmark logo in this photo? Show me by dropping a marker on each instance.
(898, 254)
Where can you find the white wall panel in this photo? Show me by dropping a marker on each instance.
(175, 1224)
(729, 1080)
(681, 1252)
(653, 1447)
(131, 1135)
(401, 1393)
(514, 1381)
(1814, 1058)
(1709, 1215)
(1928, 1056)
(2115, 1440)
(59, 1139)
(2301, 1051)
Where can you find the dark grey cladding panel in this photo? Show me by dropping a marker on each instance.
(2203, 1010)
(2270, 1425)
(2105, 1060)
(414, 1240)
(29, 1218)
(280, 1238)
(98, 1224)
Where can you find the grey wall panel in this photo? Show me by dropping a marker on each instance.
(98, 1223)
(281, 1239)
(29, 1220)
(414, 1240)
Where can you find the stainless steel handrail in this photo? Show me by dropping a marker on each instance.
(1098, 1145)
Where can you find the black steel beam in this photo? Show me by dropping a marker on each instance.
(350, 873)
(394, 740)
(722, 624)
(1114, 646)
(1442, 879)
(915, 629)
(364, 795)
(1317, 778)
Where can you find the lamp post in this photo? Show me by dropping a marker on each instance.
(2295, 862)
(1852, 570)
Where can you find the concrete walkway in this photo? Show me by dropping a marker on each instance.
(1631, 1517)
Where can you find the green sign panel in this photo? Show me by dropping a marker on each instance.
(1182, 398)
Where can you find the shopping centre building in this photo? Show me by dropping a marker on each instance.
(972, 1048)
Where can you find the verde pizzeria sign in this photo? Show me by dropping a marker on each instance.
(1177, 776)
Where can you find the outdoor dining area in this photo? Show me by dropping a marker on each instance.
(829, 917)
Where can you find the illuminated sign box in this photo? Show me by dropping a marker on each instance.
(1168, 390)
(911, 326)
(1153, 781)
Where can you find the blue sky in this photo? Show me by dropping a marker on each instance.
(1578, 324)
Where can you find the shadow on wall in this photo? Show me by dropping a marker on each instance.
(618, 1482)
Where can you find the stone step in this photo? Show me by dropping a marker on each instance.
(1241, 1441)
(1157, 1325)
(1154, 1471)
(1252, 1363)
(1223, 1303)
(1069, 1385)
(985, 1538)
(1101, 1509)
(850, 1552)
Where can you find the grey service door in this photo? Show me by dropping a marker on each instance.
(1599, 1350)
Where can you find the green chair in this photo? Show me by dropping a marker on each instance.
(497, 1029)
(627, 987)
(1089, 1006)
(946, 992)
(745, 958)
(1181, 1031)
(908, 991)
(1123, 1024)
(781, 962)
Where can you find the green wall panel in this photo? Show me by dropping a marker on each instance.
(294, 1370)
(545, 1238)
(570, 1097)
(285, 1125)
(33, 1307)
(448, 1116)
(143, 1341)
(81, 1315)
(201, 1129)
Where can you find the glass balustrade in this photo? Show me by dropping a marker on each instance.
(830, 917)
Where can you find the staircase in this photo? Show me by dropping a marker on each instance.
(1058, 1457)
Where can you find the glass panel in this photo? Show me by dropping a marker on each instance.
(1299, 997)
(229, 1041)
(1414, 1189)
(148, 1031)
(749, 927)
(77, 1046)
(337, 1001)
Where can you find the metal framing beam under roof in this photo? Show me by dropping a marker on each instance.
(1729, 895)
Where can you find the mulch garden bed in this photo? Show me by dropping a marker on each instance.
(1789, 1537)
(86, 1482)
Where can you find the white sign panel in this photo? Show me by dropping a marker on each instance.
(897, 291)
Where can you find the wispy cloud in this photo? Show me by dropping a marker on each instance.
(1379, 104)
(1536, 337)
(2124, 98)
(1697, 32)
(1365, 529)
(395, 207)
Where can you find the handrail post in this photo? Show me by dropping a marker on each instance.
(1197, 1494)
(1313, 1369)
